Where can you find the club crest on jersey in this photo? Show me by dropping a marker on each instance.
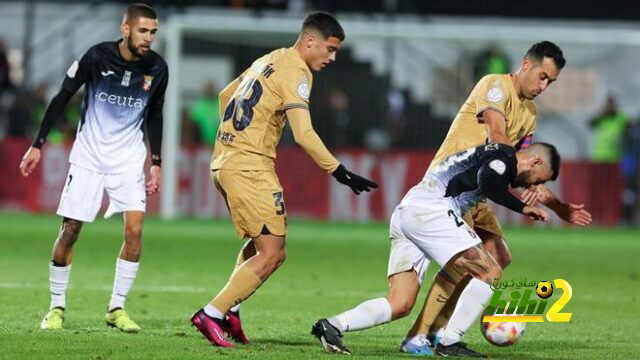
(494, 94)
(126, 78)
(304, 90)
(146, 86)
(498, 166)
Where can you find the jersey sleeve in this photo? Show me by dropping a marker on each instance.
(155, 119)
(78, 73)
(491, 93)
(295, 88)
(494, 177)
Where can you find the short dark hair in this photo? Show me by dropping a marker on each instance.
(544, 49)
(135, 11)
(552, 156)
(324, 23)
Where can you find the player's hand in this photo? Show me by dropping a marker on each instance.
(153, 185)
(357, 183)
(574, 214)
(535, 213)
(29, 161)
(530, 195)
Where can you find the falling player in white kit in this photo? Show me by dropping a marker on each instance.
(427, 225)
(125, 83)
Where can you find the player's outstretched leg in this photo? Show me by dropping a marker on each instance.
(403, 289)
(476, 262)
(59, 270)
(329, 336)
(233, 324)
(215, 318)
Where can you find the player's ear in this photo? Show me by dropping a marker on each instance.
(125, 29)
(535, 161)
(309, 39)
(526, 64)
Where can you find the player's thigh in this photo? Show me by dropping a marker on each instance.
(481, 217)
(404, 255)
(437, 230)
(215, 179)
(127, 191)
(82, 194)
(255, 201)
(496, 246)
(486, 225)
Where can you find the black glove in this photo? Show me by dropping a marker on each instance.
(356, 182)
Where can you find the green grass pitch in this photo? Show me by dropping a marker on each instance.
(330, 267)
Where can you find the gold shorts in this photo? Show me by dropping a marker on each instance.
(254, 199)
(481, 217)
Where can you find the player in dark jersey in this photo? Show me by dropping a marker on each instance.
(125, 83)
(427, 225)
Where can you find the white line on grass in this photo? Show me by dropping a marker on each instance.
(189, 289)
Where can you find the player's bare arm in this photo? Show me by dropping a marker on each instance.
(496, 127)
(572, 213)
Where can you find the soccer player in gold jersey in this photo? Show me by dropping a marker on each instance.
(500, 109)
(254, 109)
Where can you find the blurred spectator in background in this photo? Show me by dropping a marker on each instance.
(396, 120)
(609, 127)
(334, 121)
(5, 81)
(492, 60)
(205, 113)
(631, 172)
(21, 120)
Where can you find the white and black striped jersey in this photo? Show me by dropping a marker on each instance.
(470, 176)
(119, 96)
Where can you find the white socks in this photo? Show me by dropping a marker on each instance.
(58, 282)
(473, 299)
(213, 311)
(368, 314)
(235, 308)
(125, 274)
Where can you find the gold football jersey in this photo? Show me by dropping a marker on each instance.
(491, 92)
(254, 115)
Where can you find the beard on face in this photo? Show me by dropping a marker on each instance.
(135, 50)
(522, 179)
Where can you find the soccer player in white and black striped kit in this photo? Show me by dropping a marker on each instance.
(125, 83)
(427, 225)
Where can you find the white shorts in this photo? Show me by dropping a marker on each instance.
(433, 230)
(83, 190)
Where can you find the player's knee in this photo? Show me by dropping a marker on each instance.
(401, 306)
(275, 257)
(504, 259)
(133, 232)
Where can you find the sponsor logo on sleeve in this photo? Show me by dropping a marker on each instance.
(146, 86)
(73, 69)
(498, 166)
(304, 90)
